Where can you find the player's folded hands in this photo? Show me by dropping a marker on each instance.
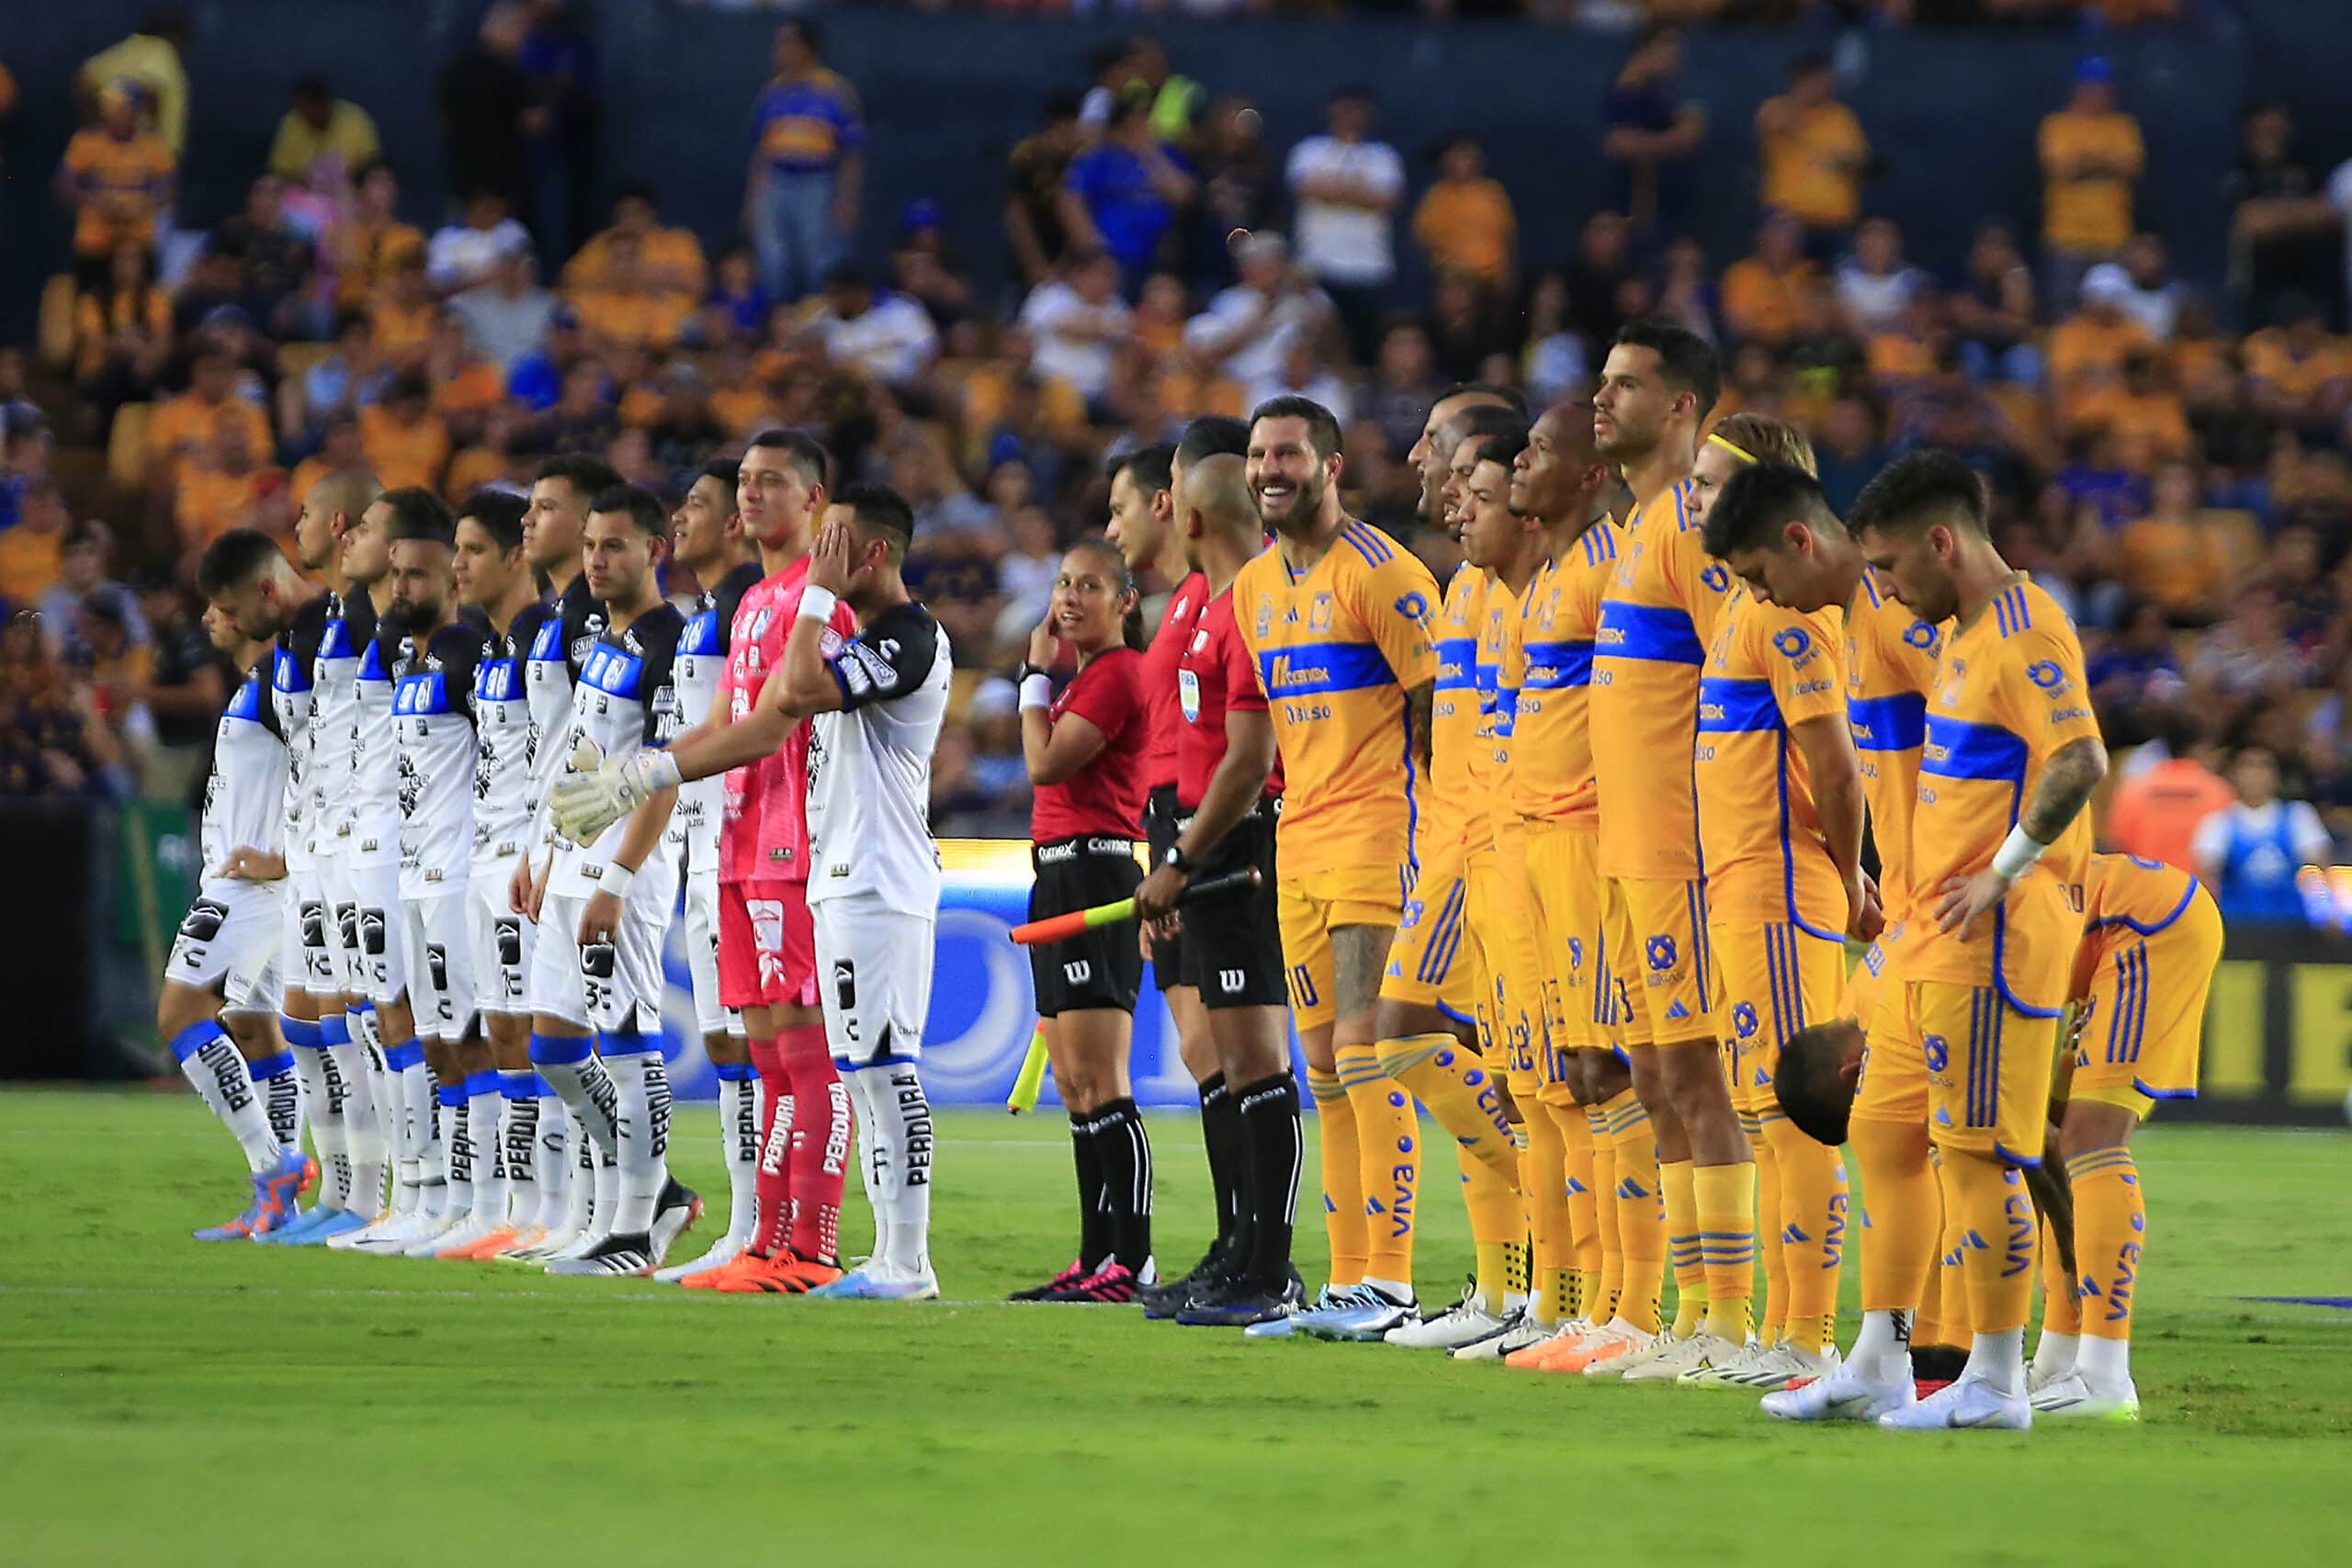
(598, 794)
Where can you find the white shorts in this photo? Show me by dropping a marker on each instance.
(440, 966)
(499, 944)
(874, 978)
(306, 944)
(367, 929)
(254, 996)
(228, 935)
(612, 989)
(702, 957)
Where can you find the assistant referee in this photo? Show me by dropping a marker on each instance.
(1088, 757)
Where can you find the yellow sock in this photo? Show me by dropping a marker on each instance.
(2110, 1229)
(1583, 1264)
(1812, 1211)
(1641, 1212)
(1997, 1226)
(1600, 1297)
(1773, 1311)
(1495, 1224)
(1901, 1215)
(2062, 1303)
(1724, 1198)
(1682, 1246)
(1453, 1082)
(1344, 1215)
(1954, 1320)
(1389, 1156)
(1543, 1181)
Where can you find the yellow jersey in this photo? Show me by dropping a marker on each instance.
(1336, 648)
(1489, 760)
(1453, 717)
(2089, 212)
(2008, 694)
(1548, 670)
(2126, 899)
(1890, 664)
(1657, 620)
(1769, 669)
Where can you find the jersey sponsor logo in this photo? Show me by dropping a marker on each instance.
(2045, 673)
(1054, 855)
(1921, 636)
(1414, 607)
(1743, 1021)
(1110, 846)
(1791, 643)
(1716, 577)
(1660, 953)
(1188, 692)
(1938, 1050)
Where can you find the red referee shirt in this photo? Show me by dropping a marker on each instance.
(1215, 676)
(1106, 797)
(1159, 662)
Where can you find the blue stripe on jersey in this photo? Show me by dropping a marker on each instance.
(1660, 633)
(335, 641)
(247, 703)
(288, 674)
(547, 643)
(498, 681)
(1369, 544)
(1599, 544)
(371, 663)
(1898, 723)
(1323, 667)
(1457, 660)
(1958, 749)
(610, 670)
(1554, 665)
(1730, 707)
(701, 635)
(425, 692)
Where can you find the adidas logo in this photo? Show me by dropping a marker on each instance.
(1677, 1011)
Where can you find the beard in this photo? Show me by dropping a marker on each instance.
(1306, 505)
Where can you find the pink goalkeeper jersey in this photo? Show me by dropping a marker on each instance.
(764, 834)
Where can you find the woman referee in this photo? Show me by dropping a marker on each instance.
(1088, 756)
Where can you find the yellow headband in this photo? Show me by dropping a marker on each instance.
(1736, 450)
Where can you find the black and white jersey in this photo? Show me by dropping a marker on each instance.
(293, 667)
(556, 650)
(702, 660)
(244, 797)
(869, 766)
(349, 628)
(376, 753)
(626, 699)
(503, 731)
(433, 723)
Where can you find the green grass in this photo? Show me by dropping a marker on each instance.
(163, 1402)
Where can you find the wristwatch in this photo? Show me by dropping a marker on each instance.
(1174, 860)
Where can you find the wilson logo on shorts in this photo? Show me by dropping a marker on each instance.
(1230, 981)
(1079, 970)
(1661, 953)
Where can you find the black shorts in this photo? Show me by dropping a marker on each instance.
(1101, 968)
(1160, 831)
(1232, 947)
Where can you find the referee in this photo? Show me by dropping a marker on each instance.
(1088, 757)
(1229, 794)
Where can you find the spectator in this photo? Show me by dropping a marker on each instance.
(1874, 285)
(1121, 195)
(945, 507)
(318, 124)
(1303, 374)
(1763, 295)
(1601, 268)
(122, 335)
(53, 739)
(1078, 324)
(1177, 100)
(1813, 154)
(339, 384)
(582, 419)
(1240, 188)
(220, 484)
(1033, 204)
(886, 336)
(636, 283)
(1246, 333)
(404, 442)
(32, 549)
(2181, 555)
(273, 262)
(1465, 222)
(923, 268)
(2091, 158)
(1848, 452)
(1556, 363)
(2247, 658)
(2299, 373)
(1404, 383)
(400, 318)
(1025, 576)
(2279, 220)
(188, 683)
(369, 240)
(808, 166)
(509, 316)
(685, 430)
(339, 449)
(2095, 478)
(739, 307)
(486, 113)
(2141, 285)
(1653, 134)
(1346, 188)
(117, 178)
(536, 380)
(1685, 297)
(2135, 679)
(152, 60)
(2140, 411)
(1994, 312)
(2249, 851)
(1462, 331)
(464, 254)
(2155, 811)
(193, 418)
(86, 557)
(2089, 347)
(558, 63)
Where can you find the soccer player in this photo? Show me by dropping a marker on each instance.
(1088, 755)
(708, 534)
(496, 583)
(1228, 800)
(607, 901)
(1781, 812)
(232, 930)
(434, 727)
(2000, 843)
(1337, 616)
(1561, 484)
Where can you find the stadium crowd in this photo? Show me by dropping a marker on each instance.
(2171, 465)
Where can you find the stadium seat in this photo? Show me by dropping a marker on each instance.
(56, 337)
(127, 446)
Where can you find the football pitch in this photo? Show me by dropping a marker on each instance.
(171, 1403)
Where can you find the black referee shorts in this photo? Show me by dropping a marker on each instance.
(1160, 831)
(1233, 942)
(1101, 968)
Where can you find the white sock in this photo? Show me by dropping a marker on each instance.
(739, 1142)
(281, 1096)
(485, 1148)
(363, 1129)
(579, 1185)
(642, 1123)
(1881, 1350)
(453, 1142)
(2103, 1363)
(901, 1162)
(556, 1158)
(518, 1138)
(1997, 1361)
(209, 1060)
(322, 1097)
(2054, 1355)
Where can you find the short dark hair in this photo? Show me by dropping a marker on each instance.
(1756, 501)
(1812, 1091)
(499, 512)
(1503, 444)
(850, 274)
(728, 471)
(804, 452)
(1808, 63)
(311, 85)
(1322, 426)
(810, 31)
(1509, 396)
(1687, 361)
(419, 514)
(641, 506)
(637, 190)
(881, 509)
(1152, 467)
(1919, 489)
(233, 559)
(590, 476)
(1213, 436)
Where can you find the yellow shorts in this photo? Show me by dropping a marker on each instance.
(1774, 981)
(2137, 1036)
(1563, 895)
(1434, 960)
(1988, 1069)
(1310, 908)
(1503, 916)
(1893, 1084)
(1656, 931)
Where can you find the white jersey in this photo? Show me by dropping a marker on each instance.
(245, 795)
(376, 754)
(293, 667)
(869, 766)
(702, 660)
(433, 725)
(349, 628)
(503, 732)
(556, 650)
(626, 700)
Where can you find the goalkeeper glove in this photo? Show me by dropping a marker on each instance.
(599, 793)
